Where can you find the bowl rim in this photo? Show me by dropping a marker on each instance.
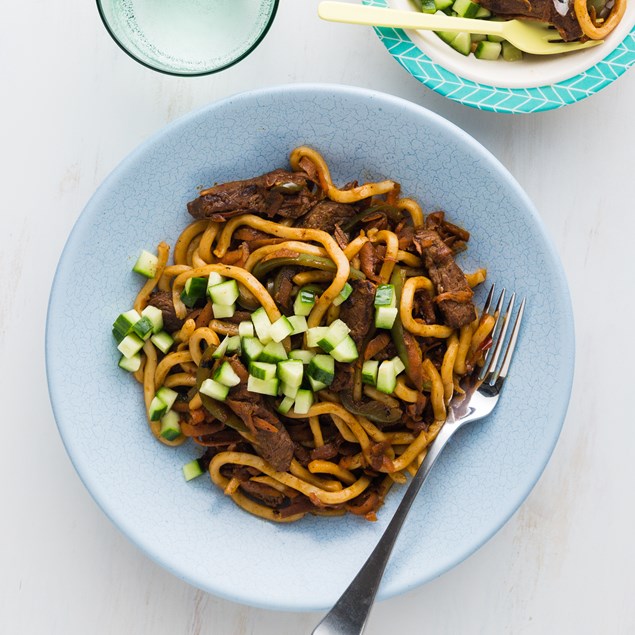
(128, 52)
(503, 99)
(91, 482)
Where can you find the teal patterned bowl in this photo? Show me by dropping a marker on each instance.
(531, 85)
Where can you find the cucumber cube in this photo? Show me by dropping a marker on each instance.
(369, 372)
(511, 53)
(262, 324)
(322, 369)
(285, 405)
(487, 50)
(224, 293)
(316, 385)
(399, 365)
(251, 348)
(462, 43)
(226, 375)
(263, 386)
(213, 279)
(214, 389)
(124, 323)
(385, 317)
(143, 328)
(155, 315)
(191, 470)
(385, 295)
(304, 356)
(465, 8)
(233, 344)
(131, 364)
(221, 349)
(304, 302)
(130, 345)
(428, 6)
(314, 334)
(273, 353)
(298, 322)
(344, 293)
(291, 371)
(262, 370)
(386, 377)
(146, 264)
(170, 426)
(289, 391)
(157, 408)
(223, 310)
(280, 329)
(246, 329)
(167, 396)
(303, 402)
(163, 341)
(345, 351)
(335, 333)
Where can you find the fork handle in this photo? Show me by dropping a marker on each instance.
(351, 611)
(396, 18)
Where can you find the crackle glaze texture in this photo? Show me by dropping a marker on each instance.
(192, 529)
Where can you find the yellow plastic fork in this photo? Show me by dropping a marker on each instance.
(531, 37)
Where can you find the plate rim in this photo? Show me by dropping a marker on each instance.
(492, 98)
(85, 216)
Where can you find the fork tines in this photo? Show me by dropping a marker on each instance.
(492, 373)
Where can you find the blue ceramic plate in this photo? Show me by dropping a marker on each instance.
(534, 84)
(192, 529)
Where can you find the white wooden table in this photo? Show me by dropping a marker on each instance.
(72, 106)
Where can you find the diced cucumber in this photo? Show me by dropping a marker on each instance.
(428, 6)
(251, 348)
(385, 317)
(273, 352)
(291, 371)
(146, 264)
(483, 13)
(369, 372)
(487, 50)
(280, 329)
(167, 396)
(193, 291)
(303, 402)
(399, 365)
(314, 334)
(246, 329)
(478, 37)
(223, 310)
(298, 322)
(130, 345)
(465, 8)
(213, 279)
(214, 389)
(322, 369)
(511, 53)
(263, 386)
(386, 377)
(345, 351)
(289, 391)
(441, 5)
(157, 408)
(385, 295)
(226, 375)
(304, 301)
(124, 323)
(316, 385)
(143, 328)
(262, 324)
(155, 315)
(163, 341)
(262, 370)
(462, 43)
(304, 356)
(347, 289)
(446, 36)
(336, 332)
(285, 405)
(170, 426)
(233, 344)
(495, 38)
(224, 293)
(221, 349)
(192, 469)
(131, 364)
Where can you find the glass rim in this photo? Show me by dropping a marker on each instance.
(241, 57)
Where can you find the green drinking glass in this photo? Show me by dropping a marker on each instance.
(187, 37)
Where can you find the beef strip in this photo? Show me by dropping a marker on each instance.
(163, 300)
(263, 493)
(358, 310)
(540, 10)
(284, 286)
(370, 262)
(447, 278)
(275, 447)
(263, 195)
(326, 214)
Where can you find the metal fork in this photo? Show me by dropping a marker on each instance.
(531, 37)
(351, 611)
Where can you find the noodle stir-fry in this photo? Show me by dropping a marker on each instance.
(308, 338)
